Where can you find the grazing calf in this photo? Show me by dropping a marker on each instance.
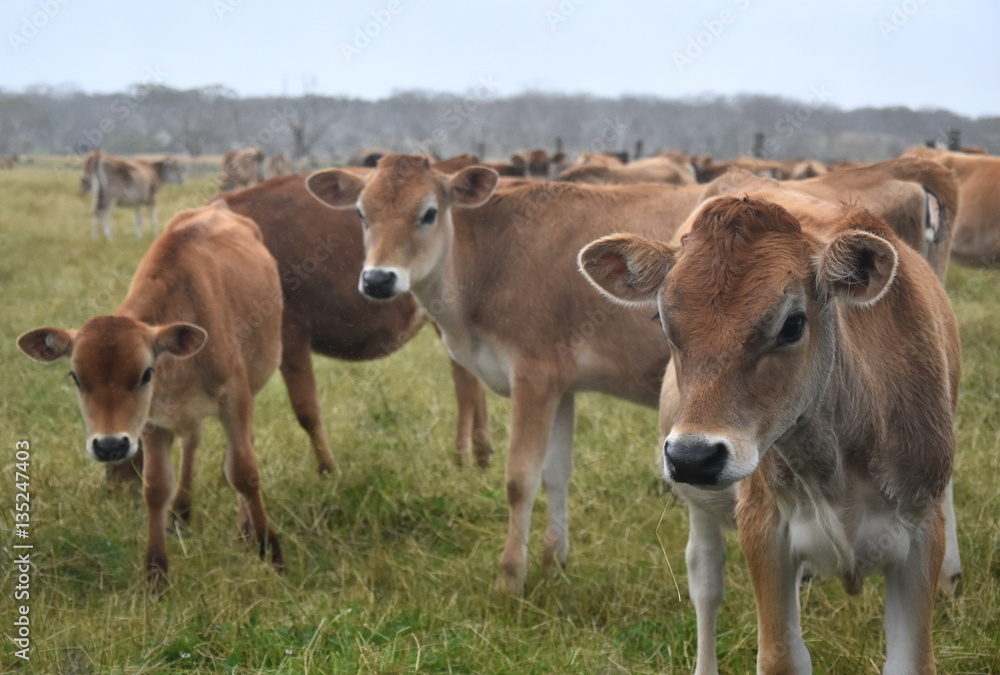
(190, 340)
(497, 275)
(815, 366)
(115, 181)
(319, 254)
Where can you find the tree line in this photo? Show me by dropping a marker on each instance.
(327, 130)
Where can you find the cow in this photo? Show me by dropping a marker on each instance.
(919, 198)
(367, 157)
(278, 165)
(199, 334)
(319, 254)
(483, 266)
(977, 225)
(650, 170)
(596, 159)
(791, 169)
(116, 181)
(814, 367)
(242, 168)
(7, 162)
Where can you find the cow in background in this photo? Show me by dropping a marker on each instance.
(116, 181)
(242, 168)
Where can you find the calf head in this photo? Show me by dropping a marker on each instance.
(405, 210)
(749, 304)
(112, 362)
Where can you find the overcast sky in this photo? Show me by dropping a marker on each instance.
(853, 53)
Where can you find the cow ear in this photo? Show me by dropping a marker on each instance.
(336, 188)
(627, 268)
(46, 344)
(472, 186)
(857, 266)
(179, 339)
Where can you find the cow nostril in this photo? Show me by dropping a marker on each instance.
(111, 448)
(379, 284)
(695, 460)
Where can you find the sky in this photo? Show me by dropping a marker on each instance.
(925, 54)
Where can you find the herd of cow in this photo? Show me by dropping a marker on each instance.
(798, 309)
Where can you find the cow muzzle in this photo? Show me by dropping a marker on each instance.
(383, 283)
(696, 459)
(111, 447)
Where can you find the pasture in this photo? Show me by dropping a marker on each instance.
(391, 563)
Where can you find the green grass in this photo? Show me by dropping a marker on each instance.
(391, 563)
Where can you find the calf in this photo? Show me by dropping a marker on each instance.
(319, 254)
(242, 168)
(115, 181)
(497, 275)
(833, 345)
(190, 340)
(977, 224)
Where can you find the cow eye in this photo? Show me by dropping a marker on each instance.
(147, 375)
(429, 216)
(75, 379)
(791, 332)
(364, 223)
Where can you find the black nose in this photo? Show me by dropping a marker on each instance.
(378, 284)
(695, 460)
(111, 448)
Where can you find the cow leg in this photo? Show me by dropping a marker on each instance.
(297, 371)
(242, 472)
(107, 219)
(556, 471)
(152, 219)
(158, 487)
(775, 579)
(182, 501)
(473, 429)
(951, 569)
(533, 405)
(138, 222)
(909, 603)
(706, 571)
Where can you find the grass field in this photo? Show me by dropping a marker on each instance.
(391, 563)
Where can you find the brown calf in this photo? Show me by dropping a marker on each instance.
(977, 224)
(497, 274)
(242, 168)
(115, 181)
(833, 345)
(319, 254)
(186, 343)
(650, 170)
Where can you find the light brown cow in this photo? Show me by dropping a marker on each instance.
(190, 340)
(596, 159)
(977, 225)
(278, 165)
(7, 162)
(242, 168)
(833, 345)
(116, 181)
(649, 170)
(790, 169)
(480, 266)
(319, 254)
(917, 197)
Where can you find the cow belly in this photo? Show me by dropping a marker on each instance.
(485, 361)
(817, 536)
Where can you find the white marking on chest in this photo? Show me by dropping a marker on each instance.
(817, 535)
